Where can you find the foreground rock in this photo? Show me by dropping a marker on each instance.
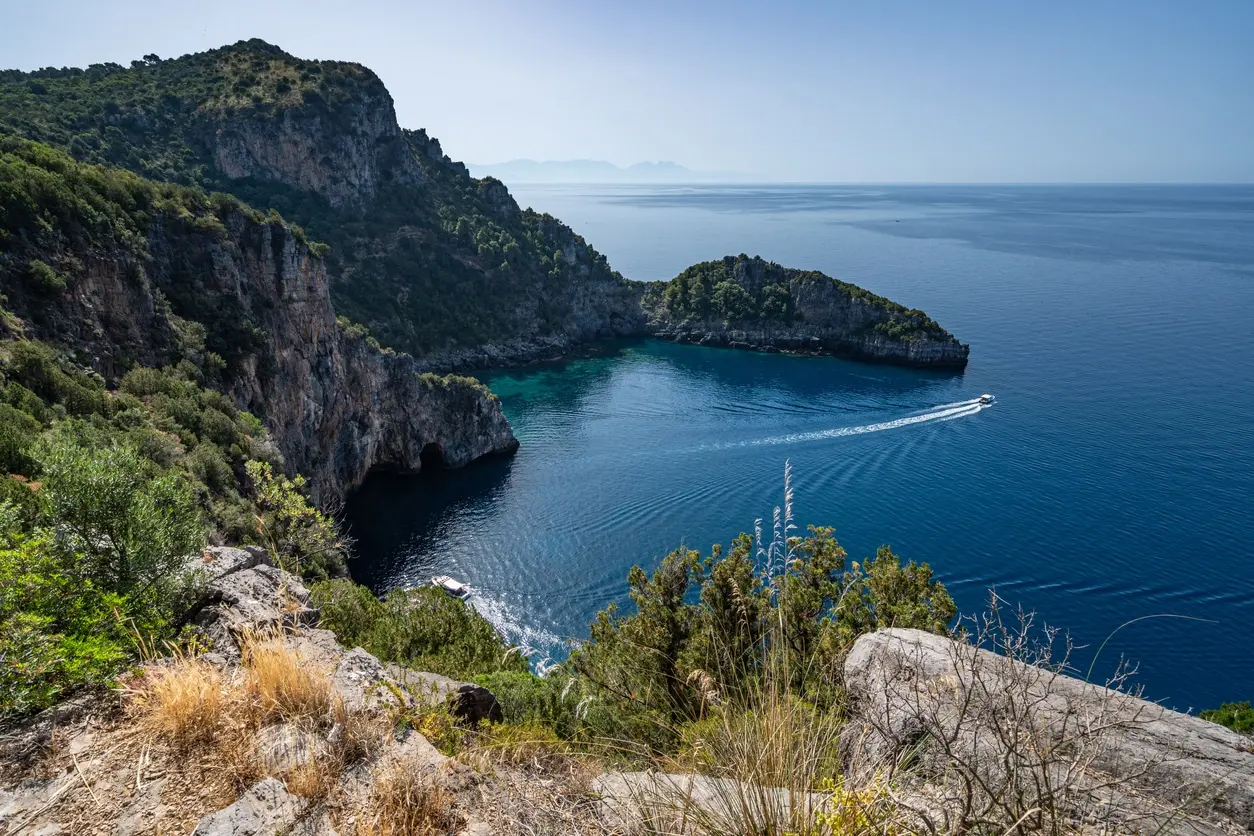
(957, 718)
(111, 780)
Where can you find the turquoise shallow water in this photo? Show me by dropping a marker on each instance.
(1113, 479)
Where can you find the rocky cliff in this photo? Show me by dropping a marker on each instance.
(170, 276)
(433, 262)
(752, 303)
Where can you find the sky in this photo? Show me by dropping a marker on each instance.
(872, 91)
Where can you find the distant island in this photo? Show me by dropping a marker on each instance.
(594, 171)
(743, 302)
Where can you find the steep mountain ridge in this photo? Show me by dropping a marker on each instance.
(127, 272)
(432, 261)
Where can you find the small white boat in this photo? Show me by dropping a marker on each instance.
(986, 399)
(450, 585)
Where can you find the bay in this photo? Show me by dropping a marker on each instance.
(1112, 480)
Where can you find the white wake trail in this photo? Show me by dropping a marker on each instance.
(946, 412)
(512, 628)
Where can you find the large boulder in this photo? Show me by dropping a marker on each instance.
(999, 738)
(244, 592)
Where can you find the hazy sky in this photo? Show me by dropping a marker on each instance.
(935, 90)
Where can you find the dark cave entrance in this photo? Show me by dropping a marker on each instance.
(432, 457)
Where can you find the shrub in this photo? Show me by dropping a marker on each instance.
(45, 280)
(420, 628)
(303, 539)
(131, 528)
(18, 432)
(58, 632)
(1238, 716)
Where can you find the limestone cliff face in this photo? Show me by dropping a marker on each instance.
(335, 405)
(820, 316)
(299, 148)
(345, 152)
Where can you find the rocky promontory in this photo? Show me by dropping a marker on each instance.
(743, 302)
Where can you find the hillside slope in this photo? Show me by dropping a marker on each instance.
(432, 261)
(124, 272)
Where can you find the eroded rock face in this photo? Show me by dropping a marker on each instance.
(344, 156)
(941, 702)
(335, 405)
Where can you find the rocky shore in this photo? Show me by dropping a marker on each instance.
(867, 347)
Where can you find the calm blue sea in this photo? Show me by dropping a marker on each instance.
(1113, 479)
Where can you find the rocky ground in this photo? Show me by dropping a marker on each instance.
(95, 766)
(277, 728)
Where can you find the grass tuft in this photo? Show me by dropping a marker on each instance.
(407, 803)
(281, 683)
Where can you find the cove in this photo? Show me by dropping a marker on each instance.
(1111, 480)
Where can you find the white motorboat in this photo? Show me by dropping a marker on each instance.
(452, 586)
(985, 400)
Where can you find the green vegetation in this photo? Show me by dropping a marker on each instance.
(424, 629)
(675, 659)
(449, 263)
(744, 290)
(1238, 716)
(103, 495)
(150, 117)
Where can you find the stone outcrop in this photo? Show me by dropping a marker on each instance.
(926, 706)
(336, 405)
(824, 316)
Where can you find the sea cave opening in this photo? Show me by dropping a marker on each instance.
(431, 457)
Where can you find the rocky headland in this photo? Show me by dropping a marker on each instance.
(743, 302)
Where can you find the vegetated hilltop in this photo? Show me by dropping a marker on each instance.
(750, 302)
(430, 260)
(122, 273)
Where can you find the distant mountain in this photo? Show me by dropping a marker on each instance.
(591, 171)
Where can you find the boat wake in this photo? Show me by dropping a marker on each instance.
(537, 644)
(945, 412)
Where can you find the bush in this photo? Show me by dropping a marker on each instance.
(422, 628)
(130, 526)
(45, 280)
(18, 432)
(1238, 716)
(304, 540)
(58, 631)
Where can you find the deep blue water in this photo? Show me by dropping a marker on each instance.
(1113, 479)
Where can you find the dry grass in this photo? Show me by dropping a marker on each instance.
(280, 685)
(214, 719)
(406, 803)
(182, 703)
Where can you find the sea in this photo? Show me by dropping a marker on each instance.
(1109, 490)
